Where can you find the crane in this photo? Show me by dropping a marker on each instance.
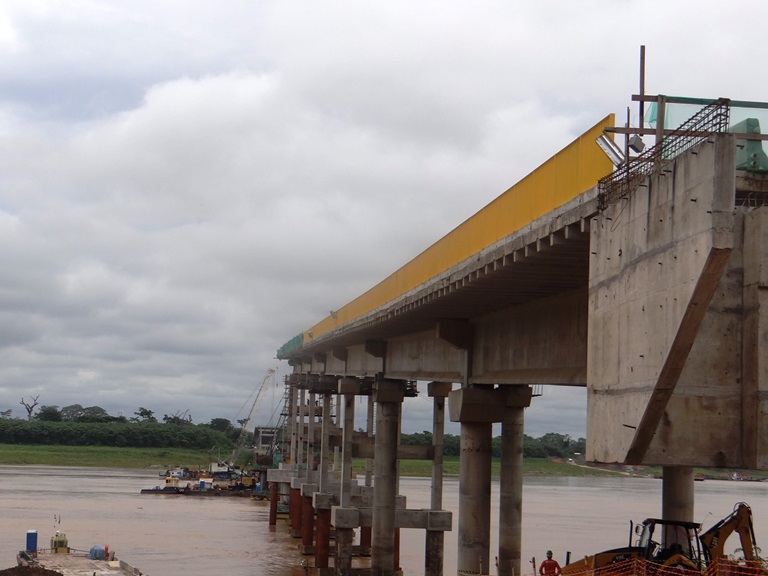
(244, 430)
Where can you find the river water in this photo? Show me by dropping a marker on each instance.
(182, 536)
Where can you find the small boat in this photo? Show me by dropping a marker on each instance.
(60, 557)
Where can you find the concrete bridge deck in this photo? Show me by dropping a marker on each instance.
(652, 293)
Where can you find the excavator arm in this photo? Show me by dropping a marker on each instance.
(739, 521)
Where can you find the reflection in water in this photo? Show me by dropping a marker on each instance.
(202, 536)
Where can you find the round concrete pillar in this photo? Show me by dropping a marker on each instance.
(511, 493)
(385, 488)
(474, 532)
(677, 494)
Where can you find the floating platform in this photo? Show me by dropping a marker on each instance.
(98, 561)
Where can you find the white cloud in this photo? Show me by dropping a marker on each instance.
(184, 187)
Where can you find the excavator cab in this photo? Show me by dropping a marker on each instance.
(676, 544)
(666, 543)
(670, 542)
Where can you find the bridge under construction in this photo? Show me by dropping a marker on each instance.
(640, 274)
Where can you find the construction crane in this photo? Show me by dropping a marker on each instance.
(244, 430)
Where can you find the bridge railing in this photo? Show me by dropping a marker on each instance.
(620, 184)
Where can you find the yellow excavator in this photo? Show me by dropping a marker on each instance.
(739, 521)
(683, 548)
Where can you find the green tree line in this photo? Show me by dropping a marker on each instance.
(551, 445)
(139, 435)
(93, 426)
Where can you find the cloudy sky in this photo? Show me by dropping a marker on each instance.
(185, 185)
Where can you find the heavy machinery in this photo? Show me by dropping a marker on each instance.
(244, 431)
(739, 521)
(683, 548)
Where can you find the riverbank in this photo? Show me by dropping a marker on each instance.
(164, 458)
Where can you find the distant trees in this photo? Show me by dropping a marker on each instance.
(48, 414)
(220, 424)
(179, 419)
(30, 406)
(550, 445)
(144, 415)
(145, 435)
(72, 413)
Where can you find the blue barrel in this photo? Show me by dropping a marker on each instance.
(31, 541)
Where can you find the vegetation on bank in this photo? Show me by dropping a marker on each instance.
(102, 456)
(73, 427)
(114, 457)
(531, 467)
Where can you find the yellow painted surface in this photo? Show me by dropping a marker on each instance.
(573, 170)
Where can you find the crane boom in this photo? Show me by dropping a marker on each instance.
(244, 431)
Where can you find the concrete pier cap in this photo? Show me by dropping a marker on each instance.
(349, 385)
(486, 404)
(389, 391)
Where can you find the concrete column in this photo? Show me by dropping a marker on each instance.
(325, 445)
(273, 498)
(301, 439)
(348, 387)
(474, 532)
(676, 494)
(323, 539)
(511, 493)
(294, 511)
(388, 397)
(311, 434)
(343, 559)
(292, 418)
(336, 452)
(307, 525)
(434, 544)
(365, 531)
(369, 430)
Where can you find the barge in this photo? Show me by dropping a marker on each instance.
(60, 557)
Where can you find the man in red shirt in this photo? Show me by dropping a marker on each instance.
(549, 567)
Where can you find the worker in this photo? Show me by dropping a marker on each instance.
(550, 567)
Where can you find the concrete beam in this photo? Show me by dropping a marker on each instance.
(424, 519)
(458, 333)
(366, 450)
(340, 354)
(376, 348)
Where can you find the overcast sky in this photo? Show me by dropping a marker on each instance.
(185, 185)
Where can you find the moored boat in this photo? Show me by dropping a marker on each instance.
(62, 558)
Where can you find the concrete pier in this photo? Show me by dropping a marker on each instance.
(307, 521)
(474, 531)
(434, 543)
(511, 484)
(388, 396)
(677, 493)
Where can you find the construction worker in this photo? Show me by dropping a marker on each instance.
(550, 567)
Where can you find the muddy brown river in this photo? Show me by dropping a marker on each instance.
(175, 536)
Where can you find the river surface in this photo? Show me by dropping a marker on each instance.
(182, 536)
